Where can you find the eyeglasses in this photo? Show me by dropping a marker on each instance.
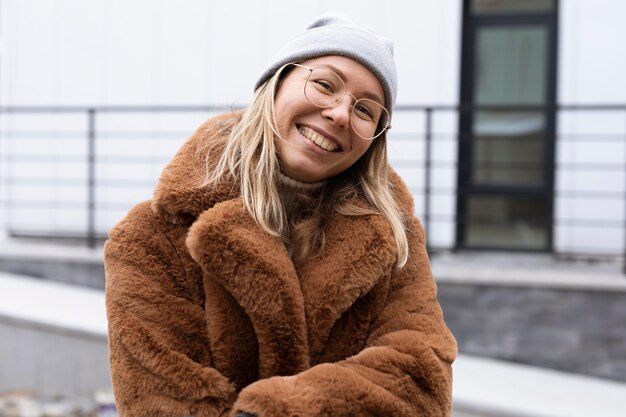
(324, 88)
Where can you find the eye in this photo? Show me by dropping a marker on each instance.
(324, 86)
(363, 111)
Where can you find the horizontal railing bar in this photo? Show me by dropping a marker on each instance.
(47, 204)
(66, 205)
(73, 159)
(511, 107)
(120, 109)
(512, 165)
(61, 235)
(72, 182)
(223, 108)
(451, 136)
(130, 184)
(102, 134)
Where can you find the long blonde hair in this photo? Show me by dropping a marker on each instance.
(250, 157)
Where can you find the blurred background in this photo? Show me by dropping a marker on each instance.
(510, 130)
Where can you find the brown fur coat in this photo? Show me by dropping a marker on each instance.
(208, 314)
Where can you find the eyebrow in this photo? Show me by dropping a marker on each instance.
(367, 94)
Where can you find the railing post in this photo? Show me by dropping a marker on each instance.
(625, 210)
(91, 178)
(427, 174)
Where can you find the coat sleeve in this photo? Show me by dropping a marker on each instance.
(404, 370)
(159, 360)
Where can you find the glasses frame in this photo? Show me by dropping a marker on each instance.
(346, 93)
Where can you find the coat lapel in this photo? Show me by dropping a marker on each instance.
(359, 252)
(292, 308)
(255, 269)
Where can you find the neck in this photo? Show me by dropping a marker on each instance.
(297, 194)
(293, 184)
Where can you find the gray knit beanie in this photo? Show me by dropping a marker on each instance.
(336, 34)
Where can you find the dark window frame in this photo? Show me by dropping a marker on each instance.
(471, 24)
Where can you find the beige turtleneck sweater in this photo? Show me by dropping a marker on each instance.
(296, 195)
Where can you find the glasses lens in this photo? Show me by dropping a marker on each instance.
(324, 88)
(369, 119)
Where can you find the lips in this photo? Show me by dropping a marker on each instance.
(318, 139)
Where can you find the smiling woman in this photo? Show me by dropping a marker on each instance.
(279, 269)
(320, 125)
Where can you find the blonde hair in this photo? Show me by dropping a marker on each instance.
(250, 157)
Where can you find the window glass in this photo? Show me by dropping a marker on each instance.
(508, 222)
(511, 69)
(488, 7)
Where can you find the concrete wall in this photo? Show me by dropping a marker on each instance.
(115, 52)
(199, 52)
(85, 274)
(54, 338)
(53, 361)
(570, 330)
(590, 68)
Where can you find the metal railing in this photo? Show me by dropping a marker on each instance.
(427, 132)
(91, 135)
(429, 136)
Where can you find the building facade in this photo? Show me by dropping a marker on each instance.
(497, 129)
(510, 130)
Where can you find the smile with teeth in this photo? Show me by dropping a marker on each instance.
(318, 139)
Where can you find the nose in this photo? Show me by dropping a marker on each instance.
(339, 114)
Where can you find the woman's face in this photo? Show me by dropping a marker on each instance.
(320, 142)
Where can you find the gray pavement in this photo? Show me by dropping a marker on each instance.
(482, 387)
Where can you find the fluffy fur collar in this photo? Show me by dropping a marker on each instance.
(180, 196)
(296, 308)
